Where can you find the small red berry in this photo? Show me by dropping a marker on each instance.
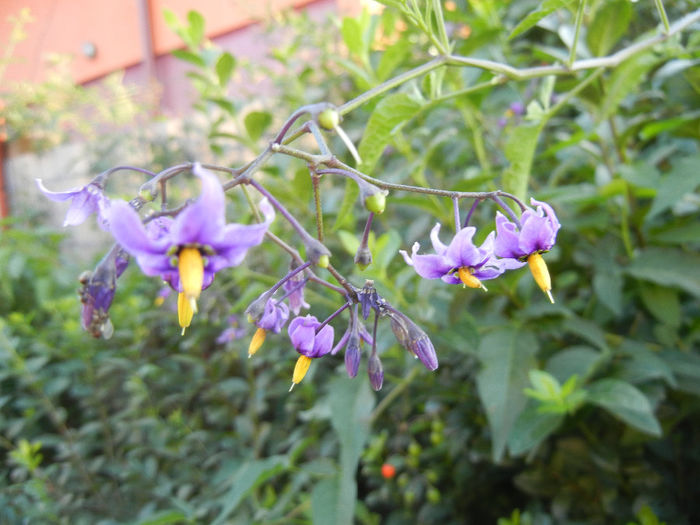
(388, 470)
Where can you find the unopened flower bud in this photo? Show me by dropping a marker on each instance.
(352, 355)
(376, 203)
(363, 257)
(375, 372)
(148, 192)
(329, 118)
(414, 339)
(316, 252)
(256, 309)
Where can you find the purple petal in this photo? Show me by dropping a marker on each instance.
(302, 332)
(202, 221)
(431, 266)
(438, 246)
(323, 342)
(81, 207)
(58, 196)
(461, 251)
(506, 243)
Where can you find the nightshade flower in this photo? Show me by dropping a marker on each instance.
(309, 342)
(273, 319)
(85, 200)
(461, 261)
(536, 235)
(97, 293)
(294, 290)
(188, 250)
(234, 331)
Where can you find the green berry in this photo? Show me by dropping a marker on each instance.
(329, 118)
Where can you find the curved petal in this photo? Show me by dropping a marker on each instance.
(58, 196)
(81, 207)
(461, 251)
(431, 266)
(506, 243)
(534, 234)
(129, 231)
(202, 221)
(302, 332)
(323, 342)
(438, 246)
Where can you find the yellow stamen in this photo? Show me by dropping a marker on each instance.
(191, 268)
(468, 279)
(184, 311)
(256, 342)
(541, 274)
(300, 370)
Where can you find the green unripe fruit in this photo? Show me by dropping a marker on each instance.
(329, 118)
(363, 257)
(323, 261)
(376, 203)
(433, 495)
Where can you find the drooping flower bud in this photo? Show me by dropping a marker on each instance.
(375, 371)
(413, 338)
(363, 257)
(352, 354)
(97, 293)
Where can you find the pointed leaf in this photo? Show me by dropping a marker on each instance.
(531, 428)
(224, 67)
(625, 402)
(391, 112)
(506, 357)
(546, 8)
(608, 26)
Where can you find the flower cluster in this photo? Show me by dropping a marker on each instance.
(514, 243)
(188, 245)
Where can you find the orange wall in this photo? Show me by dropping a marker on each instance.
(113, 26)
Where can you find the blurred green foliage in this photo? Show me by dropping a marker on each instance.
(585, 411)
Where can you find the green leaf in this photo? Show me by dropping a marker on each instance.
(654, 128)
(625, 79)
(685, 368)
(578, 361)
(195, 30)
(256, 122)
(189, 56)
(625, 402)
(531, 428)
(164, 517)
(391, 112)
(683, 178)
(345, 215)
(224, 67)
(506, 357)
(349, 241)
(546, 8)
(324, 502)
(520, 151)
(608, 26)
(246, 477)
(643, 365)
(668, 267)
(663, 303)
(351, 32)
(392, 57)
(386, 248)
(351, 402)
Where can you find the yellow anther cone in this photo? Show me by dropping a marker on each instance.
(256, 342)
(469, 280)
(184, 311)
(541, 274)
(300, 370)
(191, 268)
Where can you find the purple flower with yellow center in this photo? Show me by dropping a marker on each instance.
(188, 250)
(85, 200)
(310, 342)
(273, 319)
(461, 261)
(535, 235)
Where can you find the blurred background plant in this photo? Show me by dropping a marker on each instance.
(585, 411)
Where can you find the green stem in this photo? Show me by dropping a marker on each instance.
(317, 202)
(391, 84)
(662, 13)
(577, 31)
(396, 392)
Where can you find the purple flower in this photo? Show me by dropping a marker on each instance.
(537, 232)
(535, 235)
(413, 338)
(234, 331)
(97, 293)
(188, 250)
(461, 261)
(306, 341)
(309, 342)
(294, 290)
(274, 317)
(86, 200)
(518, 108)
(375, 371)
